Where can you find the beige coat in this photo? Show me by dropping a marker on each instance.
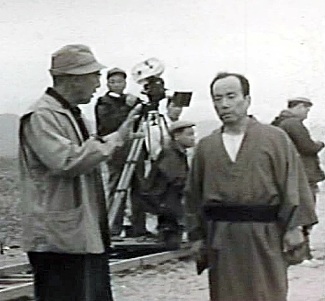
(63, 206)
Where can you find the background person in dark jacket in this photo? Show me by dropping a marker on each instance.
(111, 110)
(291, 121)
(167, 181)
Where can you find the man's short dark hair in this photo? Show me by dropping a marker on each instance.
(243, 81)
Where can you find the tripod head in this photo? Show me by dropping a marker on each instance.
(148, 73)
(155, 90)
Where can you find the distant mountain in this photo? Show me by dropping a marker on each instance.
(9, 124)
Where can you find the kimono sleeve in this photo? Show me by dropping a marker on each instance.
(297, 206)
(194, 197)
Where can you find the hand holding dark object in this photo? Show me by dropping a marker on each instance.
(293, 238)
(294, 246)
(297, 255)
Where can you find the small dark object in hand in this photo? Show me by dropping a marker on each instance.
(297, 255)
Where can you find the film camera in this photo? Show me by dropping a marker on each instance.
(148, 74)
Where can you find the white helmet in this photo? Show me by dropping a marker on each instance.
(148, 68)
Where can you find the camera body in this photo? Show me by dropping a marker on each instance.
(155, 90)
(148, 74)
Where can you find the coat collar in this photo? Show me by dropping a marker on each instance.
(251, 122)
(48, 102)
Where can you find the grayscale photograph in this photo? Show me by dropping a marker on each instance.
(162, 150)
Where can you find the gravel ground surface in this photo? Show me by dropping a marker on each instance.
(179, 282)
(173, 281)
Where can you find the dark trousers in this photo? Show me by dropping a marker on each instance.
(69, 277)
(170, 231)
(138, 214)
(307, 229)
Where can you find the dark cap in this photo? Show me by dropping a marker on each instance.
(115, 71)
(180, 124)
(298, 100)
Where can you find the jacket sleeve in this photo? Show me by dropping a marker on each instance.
(300, 137)
(194, 198)
(48, 139)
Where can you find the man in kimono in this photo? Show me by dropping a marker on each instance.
(248, 198)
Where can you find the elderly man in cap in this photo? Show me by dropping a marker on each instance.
(166, 182)
(65, 227)
(111, 110)
(291, 121)
(248, 198)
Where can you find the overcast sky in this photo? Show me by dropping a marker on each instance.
(278, 44)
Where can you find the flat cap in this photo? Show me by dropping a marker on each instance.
(180, 124)
(75, 59)
(115, 71)
(300, 100)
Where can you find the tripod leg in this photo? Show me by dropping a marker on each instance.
(129, 168)
(124, 181)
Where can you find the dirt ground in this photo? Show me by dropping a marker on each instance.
(174, 281)
(179, 282)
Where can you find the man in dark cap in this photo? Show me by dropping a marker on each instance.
(114, 103)
(247, 198)
(166, 182)
(291, 121)
(64, 217)
(111, 110)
